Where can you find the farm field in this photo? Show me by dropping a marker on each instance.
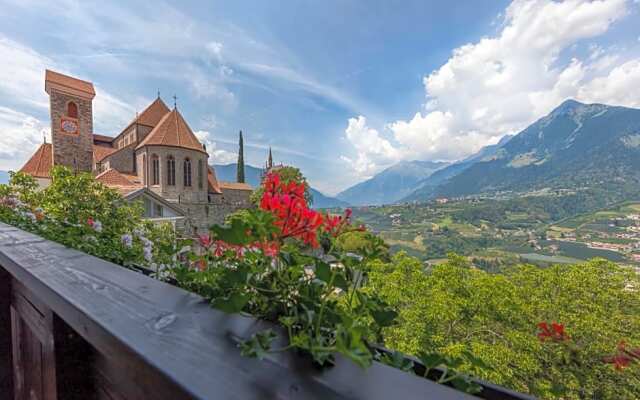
(498, 233)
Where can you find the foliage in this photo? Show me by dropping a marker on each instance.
(240, 166)
(280, 262)
(80, 212)
(456, 310)
(287, 175)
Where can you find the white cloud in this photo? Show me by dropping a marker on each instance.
(615, 87)
(372, 149)
(20, 68)
(216, 155)
(501, 84)
(21, 136)
(22, 87)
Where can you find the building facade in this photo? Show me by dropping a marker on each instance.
(156, 158)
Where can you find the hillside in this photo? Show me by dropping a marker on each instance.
(575, 146)
(426, 188)
(227, 172)
(392, 184)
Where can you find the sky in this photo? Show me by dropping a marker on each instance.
(339, 88)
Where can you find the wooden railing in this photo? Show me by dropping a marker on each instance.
(73, 326)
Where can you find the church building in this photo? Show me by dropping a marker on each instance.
(156, 158)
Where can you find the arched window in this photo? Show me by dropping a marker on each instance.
(187, 172)
(200, 174)
(72, 110)
(171, 171)
(155, 169)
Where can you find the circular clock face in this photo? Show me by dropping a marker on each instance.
(69, 126)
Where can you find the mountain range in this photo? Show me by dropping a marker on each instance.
(253, 176)
(392, 184)
(575, 146)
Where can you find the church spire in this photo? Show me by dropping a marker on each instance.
(270, 160)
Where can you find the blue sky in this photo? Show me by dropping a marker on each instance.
(341, 89)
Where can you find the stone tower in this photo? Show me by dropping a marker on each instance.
(70, 102)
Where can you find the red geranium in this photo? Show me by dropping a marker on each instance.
(623, 357)
(553, 332)
(294, 218)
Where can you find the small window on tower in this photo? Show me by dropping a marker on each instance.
(72, 110)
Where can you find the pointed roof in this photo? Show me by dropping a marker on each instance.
(212, 181)
(173, 130)
(154, 112)
(150, 116)
(40, 163)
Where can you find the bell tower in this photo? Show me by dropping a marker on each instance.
(70, 102)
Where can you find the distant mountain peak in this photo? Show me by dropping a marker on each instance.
(568, 105)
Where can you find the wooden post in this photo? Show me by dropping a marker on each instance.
(6, 369)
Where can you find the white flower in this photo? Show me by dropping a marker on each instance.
(148, 255)
(97, 226)
(127, 240)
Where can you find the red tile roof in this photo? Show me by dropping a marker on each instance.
(112, 177)
(102, 152)
(69, 82)
(150, 116)
(212, 181)
(235, 186)
(173, 130)
(40, 163)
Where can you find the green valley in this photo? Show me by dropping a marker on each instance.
(540, 228)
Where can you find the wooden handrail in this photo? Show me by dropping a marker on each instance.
(148, 339)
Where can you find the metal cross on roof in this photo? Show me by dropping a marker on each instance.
(175, 101)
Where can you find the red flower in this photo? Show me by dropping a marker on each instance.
(205, 241)
(90, 222)
(335, 224)
(555, 332)
(619, 361)
(294, 218)
(623, 357)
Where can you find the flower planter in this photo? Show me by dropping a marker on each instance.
(105, 329)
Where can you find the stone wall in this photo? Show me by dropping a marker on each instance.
(122, 160)
(177, 192)
(72, 150)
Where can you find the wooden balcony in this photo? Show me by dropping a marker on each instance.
(73, 326)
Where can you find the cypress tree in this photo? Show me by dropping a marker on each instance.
(240, 167)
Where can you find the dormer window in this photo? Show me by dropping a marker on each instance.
(72, 110)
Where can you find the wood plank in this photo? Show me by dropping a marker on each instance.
(6, 363)
(173, 345)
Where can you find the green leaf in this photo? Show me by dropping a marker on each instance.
(384, 317)
(235, 234)
(259, 344)
(431, 360)
(323, 271)
(233, 303)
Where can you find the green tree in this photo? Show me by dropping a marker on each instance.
(240, 167)
(453, 308)
(287, 174)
